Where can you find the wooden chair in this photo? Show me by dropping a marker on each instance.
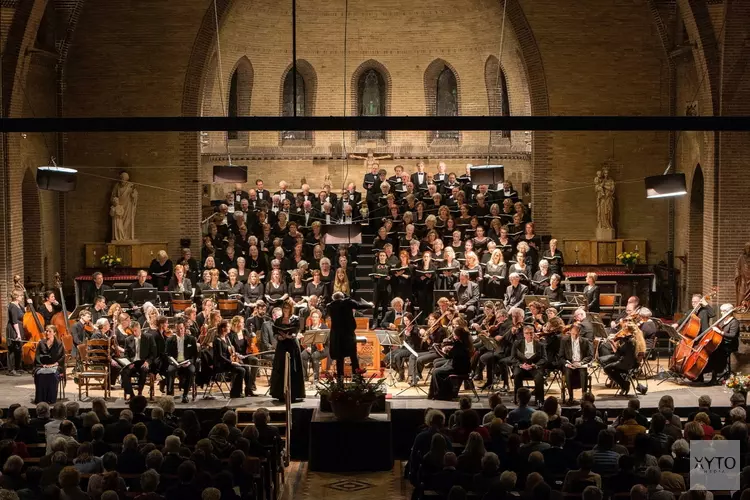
(96, 362)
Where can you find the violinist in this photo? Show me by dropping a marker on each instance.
(576, 354)
(458, 362)
(409, 335)
(393, 319)
(100, 309)
(554, 292)
(434, 334)
(190, 315)
(224, 362)
(49, 353)
(316, 352)
(50, 306)
(140, 350)
(631, 309)
(123, 329)
(591, 292)
(243, 342)
(537, 316)
(498, 358)
(180, 283)
(647, 326)
(629, 341)
(529, 356)
(113, 314)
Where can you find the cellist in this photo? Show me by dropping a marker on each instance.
(14, 333)
(705, 312)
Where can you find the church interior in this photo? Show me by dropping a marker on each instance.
(89, 193)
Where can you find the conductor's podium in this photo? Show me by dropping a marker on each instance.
(368, 350)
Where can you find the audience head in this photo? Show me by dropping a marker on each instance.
(653, 476)
(490, 463)
(475, 445)
(435, 418)
(536, 433)
(508, 480)
(449, 460)
(540, 418)
(109, 461)
(557, 438)
(592, 493)
(524, 396)
(69, 478)
(457, 493)
(154, 459)
(638, 492)
(149, 481)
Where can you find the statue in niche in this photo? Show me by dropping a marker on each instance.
(605, 199)
(742, 277)
(123, 201)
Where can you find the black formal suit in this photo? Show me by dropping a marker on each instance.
(538, 359)
(514, 295)
(342, 341)
(146, 354)
(92, 292)
(587, 328)
(187, 371)
(623, 361)
(263, 195)
(586, 355)
(286, 194)
(78, 332)
(390, 318)
(415, 179)
(458, 363)
(223, 363)
(592, 298)
(467, 295)
(160, 364)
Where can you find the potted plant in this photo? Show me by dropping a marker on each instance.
(351, 400)
(110, 262)
(629, 260)
(738, 383)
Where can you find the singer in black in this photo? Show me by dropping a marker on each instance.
(49, 353)
(183, 349)
(591, 292)
(140, 350)
(285, 329)
(381, 291)
(14, 333)
(342, 341)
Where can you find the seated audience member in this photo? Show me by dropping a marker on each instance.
(556, 460)
(489, 477)
(470, 461)
(116, 431)
(130, 460)
(655, 490)
(469, 422)
(493, 400)
(576, 480)
(705, 422)
(69, 480)
(536, 434)
(158, 429)
(86, 462)
(628, 428)
(626, 478)
(432, 461)
(172, 457)
(523, 412)
(449, 476)
(670, 480)
(435, 422)
(464, 403)
(661, 442)
(603, 455)
(681, 454)
(184, 489)
(149, 482)
(704, 405)
(642, 457)
(587, 431)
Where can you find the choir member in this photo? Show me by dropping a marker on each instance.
(495, 274)
(275, 289)
(424, 283)
(515, 292)
(554, 257)
(467, 295)
(317, 287)
(341, 282)
(542, 277)
(554, 292)
(591, 292)
(449, 269)
(528, 353)
(233, 286)
(381, 286)
(472, 266)
(401, 277)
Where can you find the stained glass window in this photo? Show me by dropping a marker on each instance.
(371, 97)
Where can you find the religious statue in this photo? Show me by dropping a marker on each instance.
(605, 199)
(124, 200)
(742, 276)
(370, 159)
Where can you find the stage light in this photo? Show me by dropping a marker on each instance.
(54, 178)
(665, 186)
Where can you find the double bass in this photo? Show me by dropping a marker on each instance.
(33, 325)
(690, 335)
(61, 321)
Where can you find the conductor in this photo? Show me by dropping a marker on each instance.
(343, 342)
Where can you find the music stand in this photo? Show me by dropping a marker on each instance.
(342, 234)
(487, 174)
(414, 353)
(143, 295)
(165, 298)
(391, 339)
(311, 337)
(115, 295)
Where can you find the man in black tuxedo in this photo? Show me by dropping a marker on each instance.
(140, 350)
(306, 195)
(370, 177)
(509, 192)
(78, 332)
(342, 341)
(307, 216)
(160, 339)
(183, 349)
(576, 352)
(420, 178)
(327, 214)
(96, 288)
(530, 359)
(283, 193)
(263, 194)
(354, 195)
(515, 293)
(467, 295)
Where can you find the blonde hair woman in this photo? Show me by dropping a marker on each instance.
(341, 282)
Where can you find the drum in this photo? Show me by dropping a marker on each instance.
(229, 307)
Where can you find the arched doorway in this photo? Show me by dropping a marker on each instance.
(695, 235)
(32, 228)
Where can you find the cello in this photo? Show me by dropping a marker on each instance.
(33, 325)
(688, 332)
(61, 321)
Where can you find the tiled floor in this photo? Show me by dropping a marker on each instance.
(304, 485)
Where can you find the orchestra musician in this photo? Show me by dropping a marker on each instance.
(433, 335)
(631, 308)
(584, 321)
(14, 334)
(242, 342)
(576, 353)
(49, 353)
(457, 362)
(140, 350)
(96, 289)
(184, 350)
(409, 335)
(467, 295)
(394, 317)
(628, 343)
(225, 362)
(313, 354)
(730, 329)
(285, 329)
(100, 309)
(515, 292)
(102, 331)
(529, 356)
(160, 363)
(647, 326)
(498, 359)
(704, 311)
(591, 292)
(79, 334)
(49, 307)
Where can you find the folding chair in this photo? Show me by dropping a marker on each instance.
(216, 380)
(458, 380)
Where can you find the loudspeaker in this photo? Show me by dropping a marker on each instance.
(664, 186)
(227, 173)
(56, 178)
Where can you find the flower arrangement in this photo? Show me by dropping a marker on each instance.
(738, 382)
(629, 258)
(358, 390)
(110, 261)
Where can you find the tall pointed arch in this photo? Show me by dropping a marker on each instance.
(498, 100)
(442, 96)
(371, 95)
(307, 82)
(240, 95)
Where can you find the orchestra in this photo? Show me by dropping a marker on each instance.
(458, 272)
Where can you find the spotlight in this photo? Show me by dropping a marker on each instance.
(665, 186)
(54, 178)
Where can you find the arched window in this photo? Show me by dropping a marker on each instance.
(290, 105)
(441, 95)
(233, 108)
(240, 92)
(497, 93)
(371, 98)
